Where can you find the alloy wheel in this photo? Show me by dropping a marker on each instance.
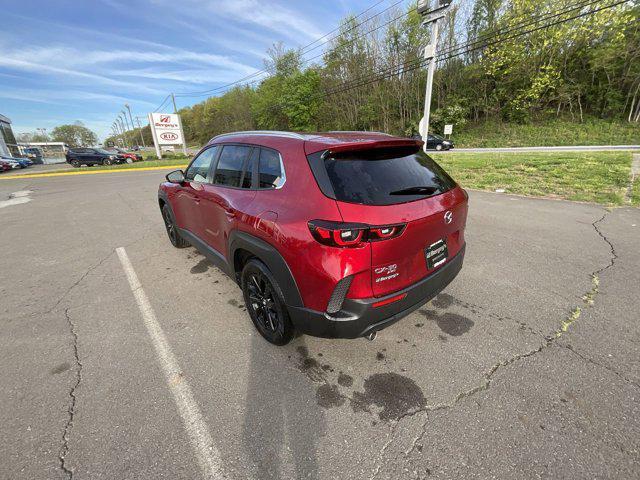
(171, 228)
(262, 303)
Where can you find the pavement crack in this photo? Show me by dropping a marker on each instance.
(71, 410)
(588, 298)
(614, 255)
(77, 282)
(601, 365)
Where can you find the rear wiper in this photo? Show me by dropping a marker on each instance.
(416, 191)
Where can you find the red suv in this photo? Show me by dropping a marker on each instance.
(337, 234)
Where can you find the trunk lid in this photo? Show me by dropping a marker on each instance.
(393, 182)
(399, 262)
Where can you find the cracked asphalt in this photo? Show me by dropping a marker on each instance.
(526, 366)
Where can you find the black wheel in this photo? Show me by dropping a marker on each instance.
(265, 303)
(172, 229)
(106, 161)
(439, 147)
(75, 164)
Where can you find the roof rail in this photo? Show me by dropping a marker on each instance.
(273, 133)
(359, 131)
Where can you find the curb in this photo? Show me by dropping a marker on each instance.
(95, 172)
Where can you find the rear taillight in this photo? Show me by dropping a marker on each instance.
(340, 234)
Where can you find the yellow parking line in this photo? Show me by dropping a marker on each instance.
(88, 172)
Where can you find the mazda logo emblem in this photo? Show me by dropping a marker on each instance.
(448, 217)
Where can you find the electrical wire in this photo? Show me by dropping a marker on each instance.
(452, 53)
(478, 44)
(304, 50)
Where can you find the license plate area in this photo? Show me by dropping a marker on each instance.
(436, 254)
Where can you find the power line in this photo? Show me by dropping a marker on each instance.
(478, 44)
(304, 50)
(451, 53)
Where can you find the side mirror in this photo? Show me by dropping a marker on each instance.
(177, 176)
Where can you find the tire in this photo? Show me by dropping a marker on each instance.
(265, 303)
(129, 160)
(75, 164)
(439, 147)
(172, 229)
(106, 161)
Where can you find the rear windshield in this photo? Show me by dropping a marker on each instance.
(386, 179)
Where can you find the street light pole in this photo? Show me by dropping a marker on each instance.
(141, 136)
(432, 17)
(131, 118)
(124, 132)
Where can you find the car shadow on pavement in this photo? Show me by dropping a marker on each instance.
(282, 423)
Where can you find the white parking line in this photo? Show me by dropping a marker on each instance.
(206, 452)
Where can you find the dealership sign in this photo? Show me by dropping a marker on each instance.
(167, 128)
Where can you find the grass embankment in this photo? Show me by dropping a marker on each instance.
(551, 133)
(600, 177)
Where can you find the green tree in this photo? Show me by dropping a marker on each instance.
(76, 135)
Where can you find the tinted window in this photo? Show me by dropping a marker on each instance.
(199, 168)
(232, 165)
(270, 174)
(371, 181)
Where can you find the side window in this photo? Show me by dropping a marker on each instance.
(199, 168)
(270, 173)
(232, 166)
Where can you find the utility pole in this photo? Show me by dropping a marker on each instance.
(131, 117)
(184, 140)
(141, 136)
(432, 16)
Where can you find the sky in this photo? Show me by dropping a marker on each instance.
(63, 61)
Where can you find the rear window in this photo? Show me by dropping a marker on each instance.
(384, 178)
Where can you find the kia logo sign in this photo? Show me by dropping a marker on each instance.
(169, 136)
(165, 118)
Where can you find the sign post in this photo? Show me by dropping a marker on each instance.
(166, 129)
(448, 129)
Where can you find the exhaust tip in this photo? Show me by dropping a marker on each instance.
(371, 336)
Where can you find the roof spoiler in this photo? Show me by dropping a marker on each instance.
(373, 145)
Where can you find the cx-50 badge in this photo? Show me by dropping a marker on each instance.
(448, 217)
(390, 271)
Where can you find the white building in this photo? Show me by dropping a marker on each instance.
(8, 144)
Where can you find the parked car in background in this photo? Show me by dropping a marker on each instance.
(15, 162)
(129, 157)
(4, 166)
(436, 142)
(380, 231)
(34, 154)
(92, 156)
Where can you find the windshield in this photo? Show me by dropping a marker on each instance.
(102, 150)
(386, 181)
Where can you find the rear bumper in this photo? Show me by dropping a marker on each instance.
(358, 318)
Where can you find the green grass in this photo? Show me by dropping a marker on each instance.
(548, 133)
(600, 177)
(635, 193)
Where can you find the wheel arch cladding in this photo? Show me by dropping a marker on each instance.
(244, 244)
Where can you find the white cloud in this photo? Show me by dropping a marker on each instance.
(6, 60)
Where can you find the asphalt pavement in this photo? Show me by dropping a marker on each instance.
(126, 358)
